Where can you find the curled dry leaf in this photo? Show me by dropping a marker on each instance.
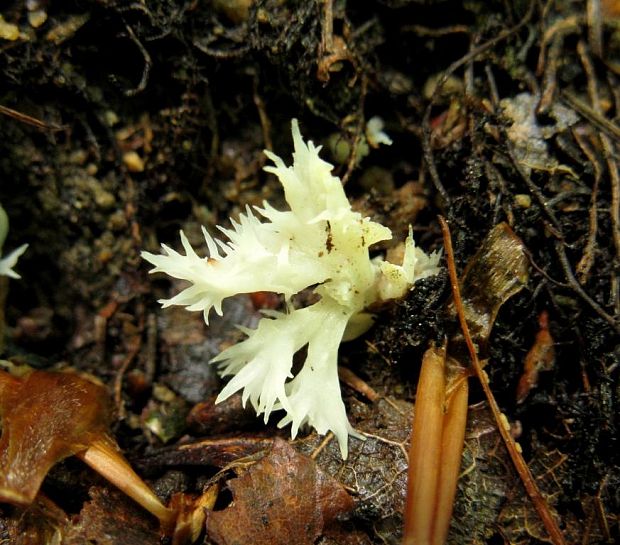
(282, 499)
(47, 417)
(498, 270)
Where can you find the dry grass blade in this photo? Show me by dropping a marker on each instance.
(452, 442)
(426, 449)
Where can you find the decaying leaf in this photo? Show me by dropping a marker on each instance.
(487, 479)
(217, 452)
(491, 494)
(518, 518)
(42, 523)
(47, 417)
(377, 467)
(282, 499)
(540, 357)
(109, 518)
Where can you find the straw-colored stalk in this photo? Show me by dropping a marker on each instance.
(105, 458)
(439, 421)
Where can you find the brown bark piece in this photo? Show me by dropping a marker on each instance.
(282, 499)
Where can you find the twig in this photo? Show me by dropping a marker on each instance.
(134, 347)
(513, 450)
(542, 271)
(401, 446)
(326, 441)
(550, 81)
(560, 29)
(588, 113)
(221, 53)
(356, 383)
(352, 162)
(614, 212)
(429, 159)
(148, 63)
(421, 30)
(595, 26)
(587, 259)
(600, 509)
(327, 28)
(29, 120)
(262, 114)
(332, 48)
(150, 348)
(494, 176)
(572, 281)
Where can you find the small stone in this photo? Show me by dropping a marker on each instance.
(236, 10)
(37, 18)
(104, 199)
(523, 201)
(8, 31)
(110, 118)
(117, 221)
(133, 162)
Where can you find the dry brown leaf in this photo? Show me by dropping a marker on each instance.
(41, 523)
(282, 499)
(110, 518)
(45, 418)
(48, 416)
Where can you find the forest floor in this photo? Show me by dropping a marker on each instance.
(124, 122)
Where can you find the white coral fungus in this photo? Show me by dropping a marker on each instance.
(319, 242)
(7, 263)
